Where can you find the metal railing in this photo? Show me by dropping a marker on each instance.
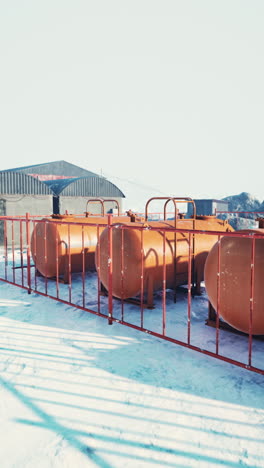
(70, 271)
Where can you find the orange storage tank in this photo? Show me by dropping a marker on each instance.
(63, 240)
(176, 255)
(235, 281)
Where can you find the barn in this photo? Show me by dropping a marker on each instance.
(53, 187)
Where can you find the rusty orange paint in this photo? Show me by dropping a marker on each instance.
(235, 281)
(65, 240)
(127, 271)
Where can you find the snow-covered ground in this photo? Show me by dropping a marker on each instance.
(76, 392)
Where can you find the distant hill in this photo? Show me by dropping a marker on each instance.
(244, 202)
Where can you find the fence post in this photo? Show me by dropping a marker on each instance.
(251, 301)
(28, 252)
(6, 248)
(110, 269)
(218, 293)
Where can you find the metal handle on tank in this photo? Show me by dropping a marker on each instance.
(102, 202)
(116, 202)
(180, 200)
(168, 199)
(96, 200)
(159, 198)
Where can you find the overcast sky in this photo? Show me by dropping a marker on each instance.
(166, 92)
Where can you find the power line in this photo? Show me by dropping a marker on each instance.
(137, 184)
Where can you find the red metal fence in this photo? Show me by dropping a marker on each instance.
(178, 316)
(237, 213)
(242, 219)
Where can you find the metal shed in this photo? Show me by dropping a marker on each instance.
(54, 168)
(208, 206)
(72, 194)
(21, 193)
(62, 186)
(83, 187)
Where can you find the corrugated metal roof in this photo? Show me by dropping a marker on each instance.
(57, 185)
(24, 168)
(13, 183)
(84, 186)
(56, 168)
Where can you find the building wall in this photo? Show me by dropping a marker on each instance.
(220, 206)
(208, 206)
(32, 204)
(15, 205)
(204, 207)
(77, 205)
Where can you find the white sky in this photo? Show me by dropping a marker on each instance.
(167, 92)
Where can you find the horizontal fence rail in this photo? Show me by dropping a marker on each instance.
(243, 219)
(116, 272)
(217, 212)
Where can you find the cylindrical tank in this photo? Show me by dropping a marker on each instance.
(64, 241)
(235, 281)
(128, 258)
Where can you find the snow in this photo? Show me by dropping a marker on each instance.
(77, 392)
